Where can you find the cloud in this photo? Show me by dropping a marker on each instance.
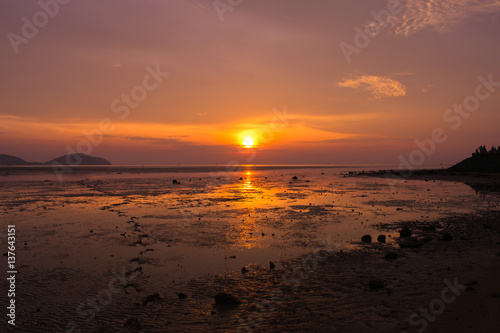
(439, 15)
(152, 140)
(377, 86)
(356, 139)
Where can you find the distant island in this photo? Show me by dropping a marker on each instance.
(72, 159)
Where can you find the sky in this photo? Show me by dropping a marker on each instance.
(167, 82)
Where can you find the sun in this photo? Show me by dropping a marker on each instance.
(248, 140)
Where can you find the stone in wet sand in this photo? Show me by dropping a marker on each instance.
(226, 299)
(366, 239)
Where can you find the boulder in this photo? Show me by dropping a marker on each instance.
(226, 299)
(376, 284)
(391, 256)
(409, 242)
(405, 232)
(366, 239)
(447, 237)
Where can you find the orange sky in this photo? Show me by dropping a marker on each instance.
(275, 69)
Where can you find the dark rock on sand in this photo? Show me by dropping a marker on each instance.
(391, 256)
(366, 239)
(381, 239)
(152, 298)
(426, 239)
(133, 323)
(175, 182)
(409, 242)
(226, 299)
(405, 232)
(294, 178)
(182, 295)
(376, 284)
(244, 270)
(447, 237)
(271, 265)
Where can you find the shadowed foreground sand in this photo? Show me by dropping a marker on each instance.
(337, 297)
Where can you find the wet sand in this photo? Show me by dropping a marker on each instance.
(333, 293)
(126, 252)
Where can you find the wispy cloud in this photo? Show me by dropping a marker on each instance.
(153, 140)
(353, 139)
(439, 15)
(377, 86)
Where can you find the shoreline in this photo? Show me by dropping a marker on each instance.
(84, 169)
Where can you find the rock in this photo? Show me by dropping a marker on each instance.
(381, 239)
(295, 178)
(429, 228)
(391, 256)
(405, 232)
(271, 265)
(232, 257)
(244, 270)
(182, 295)
(426, 239)
(152, 298)
(226, 299)
(409, 242)
(366, 239)
(175, 182)
(376, 284)
(133, 323)
(447, 237)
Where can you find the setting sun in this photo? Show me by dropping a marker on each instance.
(248, 142)
(248, 139)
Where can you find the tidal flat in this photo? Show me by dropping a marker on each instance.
(119, 250)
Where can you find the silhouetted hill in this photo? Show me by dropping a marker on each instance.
(79, 159)
(12, 160)
(478, 163)
(72, 159)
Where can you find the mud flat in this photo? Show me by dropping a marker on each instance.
(363, 291)
(140, 252)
